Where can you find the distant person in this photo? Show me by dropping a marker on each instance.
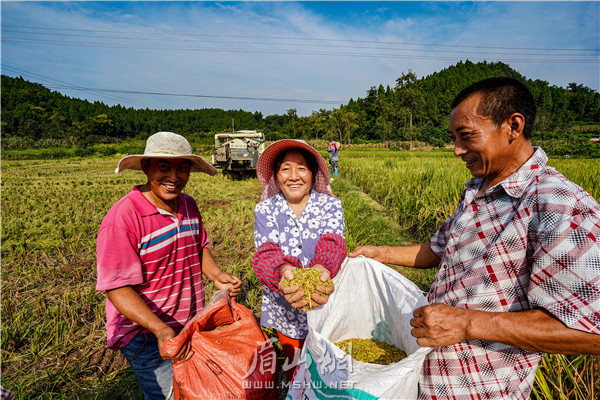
(297, 224)
(334, 161)
(518, 263)
(152, 251)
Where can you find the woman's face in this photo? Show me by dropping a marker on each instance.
(294, 178)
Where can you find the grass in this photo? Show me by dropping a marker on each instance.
(53, 321)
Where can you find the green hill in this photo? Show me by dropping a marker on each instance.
(415, 109)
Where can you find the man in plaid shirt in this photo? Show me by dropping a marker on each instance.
(518, 261)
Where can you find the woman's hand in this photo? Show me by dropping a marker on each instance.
(321, 297)
(294, 296)
(231, 283)
(291, 293)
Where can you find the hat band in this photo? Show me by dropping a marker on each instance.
(166, 152)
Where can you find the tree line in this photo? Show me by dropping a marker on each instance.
(415, 109)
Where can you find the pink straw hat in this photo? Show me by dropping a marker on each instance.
(266, 175)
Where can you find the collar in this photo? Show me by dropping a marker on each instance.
(518, 181)
(279, 201)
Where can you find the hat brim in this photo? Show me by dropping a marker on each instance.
(135, 162)
(266, 176)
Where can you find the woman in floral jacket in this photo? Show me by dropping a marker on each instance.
(297, 224)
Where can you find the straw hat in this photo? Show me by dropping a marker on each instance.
(166, 145)
(266, 176)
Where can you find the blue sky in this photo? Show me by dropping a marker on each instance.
(274, 56)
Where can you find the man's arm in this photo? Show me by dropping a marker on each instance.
(129, 303)
(418, 256)
(442, 325)
(222, 280)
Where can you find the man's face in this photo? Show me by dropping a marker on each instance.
(480, 143)
(294, 178)
(167, 178)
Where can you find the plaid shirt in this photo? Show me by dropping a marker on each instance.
(531, 241)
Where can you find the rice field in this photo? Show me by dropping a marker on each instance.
(422, 188)
(53, 334)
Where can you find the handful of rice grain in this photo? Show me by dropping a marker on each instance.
(307, 280)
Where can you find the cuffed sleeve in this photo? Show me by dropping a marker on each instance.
(268, 261)
(330, 252)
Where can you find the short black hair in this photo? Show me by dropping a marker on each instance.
(500, 98)
(311, 161)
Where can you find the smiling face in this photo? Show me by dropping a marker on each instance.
(487, 149)
(294, 178)
(166, 179)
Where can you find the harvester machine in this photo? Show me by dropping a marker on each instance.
(237, 152)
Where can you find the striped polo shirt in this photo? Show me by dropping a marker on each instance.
(158, 255)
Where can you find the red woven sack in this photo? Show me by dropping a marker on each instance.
(233, 357)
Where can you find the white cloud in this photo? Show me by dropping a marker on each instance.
(254, 25)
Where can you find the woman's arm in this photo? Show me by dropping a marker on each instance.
(330, 252)
(268, 262)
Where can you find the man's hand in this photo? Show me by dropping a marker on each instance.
(231, 283)
(166, 333)
(439, 325)
(374, 252)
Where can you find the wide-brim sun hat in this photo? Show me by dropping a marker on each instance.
(166, 145)
(266, 175)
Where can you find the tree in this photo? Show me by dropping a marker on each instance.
(343, 123)
(293, 120)
(318, 121)
(410, 98)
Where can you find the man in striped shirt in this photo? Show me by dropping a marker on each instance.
(518, 261)
(152, 250)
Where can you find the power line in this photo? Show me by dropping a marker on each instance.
(200, 95)
(571, 52)
(59, 82)
(305, 39)
(299, 52)
(65, 85)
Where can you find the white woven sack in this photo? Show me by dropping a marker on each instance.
(370, 300)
